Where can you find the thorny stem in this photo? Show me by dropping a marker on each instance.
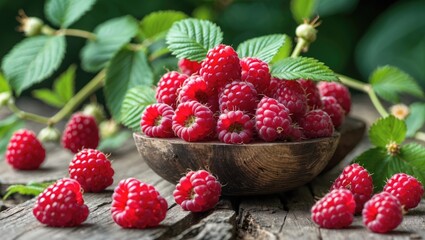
(77, 33)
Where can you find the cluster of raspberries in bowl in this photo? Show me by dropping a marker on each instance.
(237, 101)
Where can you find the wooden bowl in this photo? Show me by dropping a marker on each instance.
(246, 169)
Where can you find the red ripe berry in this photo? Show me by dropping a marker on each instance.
(238, 96)
(80, 132)
(407, 189)
(272, 120)
(61, 204)
(193, 121)
(92, 169)
(312, 94)
(235, 127)
(334, 210)
(24, 151)
(195, 88)
(338, 91)
(256, 72)
(271, 90)
(197, 191)
(316, 124)
(221, 66)
(382, 213)
(168, 86)
(189, 67)
(334, 110)
(137, 205)
(358, 180)
(157, 121)
(292, 95)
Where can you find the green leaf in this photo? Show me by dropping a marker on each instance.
(302, 9)
(192, 38)
(302, 67)
(114, 142)
(49, 97)
(264, 48)
(135, 102)
(389, 82)
(414, 154)
(128, 69)
(416, 118)
(111, 36)
(376, 161)
(158, 23)
(4, 86)
(23, 190)
(63, 13)
(387, 130)
(284, 51)
(7, 127)
(33, 60)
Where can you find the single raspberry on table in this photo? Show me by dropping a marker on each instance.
(334, 210)
(168, 86)
(407, 189)
(189, 67)
(92, 169)
(61, 204)
(80, 132)
(334, 110)
(316, 124)
(195, 88)
(272, 120)
(238, 95)
(382, 213)
(235, 127)
(137, 205)
(292, 95)
(257, 72)
(157, 120)
(312, 93)
(358, 180)
(24, 151)
(221, 66)
(197, 191)
(193, 121)
(338, 91)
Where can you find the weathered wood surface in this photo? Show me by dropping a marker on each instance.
(278, 216)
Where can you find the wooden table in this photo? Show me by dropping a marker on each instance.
(280, 216)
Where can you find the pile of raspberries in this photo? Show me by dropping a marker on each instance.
(236, 101)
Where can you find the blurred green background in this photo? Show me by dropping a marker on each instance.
(354, 38)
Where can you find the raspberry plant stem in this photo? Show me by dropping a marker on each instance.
(26, 115)
(301, 44)
(76, 33)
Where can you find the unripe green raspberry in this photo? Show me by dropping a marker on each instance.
(4, 98)
(49, 134)
(95, 110)
(108, 128)
(306, 32)
(30, 26)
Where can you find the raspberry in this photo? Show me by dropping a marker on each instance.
(334, 110)
(197, 191)
(137, 205)
(312, 94)
(189, 67)
(272, 120)
(358, 180)
(24, 151)
(271, 90)
(196, 89)
(238, 96)
(80, 132)
(92, 169)
(256, 72)
(168, 86)
(292, 95)
(338, 91)
(235, 127)
(407, 189)
(61, 204)
(193, 121)
(221, 66)
(382, 213)
(157, 121)
(317, 124)
(334, 210)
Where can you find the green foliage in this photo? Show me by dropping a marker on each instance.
(32, 189)
(416, 118)
(284, 51)
(302, 9)
(111, 36)
(128, 69)
(264, 48)
(387, 130)
(63, 13)
(7, 127)
(62, 92)
(33, 60)
(192, 38)
(389, 82)
(135, 101)
(114, 142)
(302, 67)
(4, 86)
(156, 24)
